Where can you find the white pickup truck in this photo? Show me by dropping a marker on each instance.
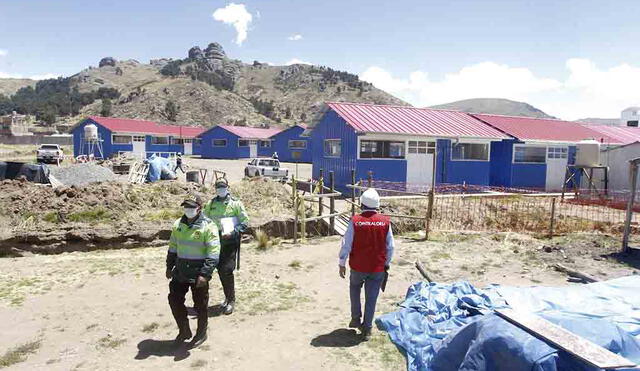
(49, 153)
(267, 167)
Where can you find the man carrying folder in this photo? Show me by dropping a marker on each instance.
(231, 218)
(368, 244)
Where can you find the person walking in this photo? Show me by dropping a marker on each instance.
(194, 249)
(232, 220)
(368, 244)
(178, 163)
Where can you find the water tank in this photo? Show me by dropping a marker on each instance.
(588, 153)
(91, 132)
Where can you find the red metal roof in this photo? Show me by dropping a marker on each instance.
(251, 133)
(121, 125)
(371, 118)
(615, 134)
(535, 129)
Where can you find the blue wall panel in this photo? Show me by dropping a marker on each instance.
(529, 175)
(458, 172)
(231, 151)
(332, 126)
(501, 166)
(281, 145)
(104, 133)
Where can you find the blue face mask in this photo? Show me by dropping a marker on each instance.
(190, 212)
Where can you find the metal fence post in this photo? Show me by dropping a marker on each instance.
(627, 221)
(553, 216)
(332, 202)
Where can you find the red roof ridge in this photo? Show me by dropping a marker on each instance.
(395, 106)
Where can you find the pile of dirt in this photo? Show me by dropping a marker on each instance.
(82, 174)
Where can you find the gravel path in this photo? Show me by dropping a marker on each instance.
(82, 174)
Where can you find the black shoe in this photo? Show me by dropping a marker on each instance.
(355, 323)
(366, 333)
(182, 336)
(228, 309)
(198, 339)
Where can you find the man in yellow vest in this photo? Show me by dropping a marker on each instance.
(220, 207)
(194, 249)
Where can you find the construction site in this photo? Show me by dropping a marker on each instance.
(83, 245)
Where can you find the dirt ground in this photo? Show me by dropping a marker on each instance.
(235, 168)
(107, 310)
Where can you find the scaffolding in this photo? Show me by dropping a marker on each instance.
(574, 173)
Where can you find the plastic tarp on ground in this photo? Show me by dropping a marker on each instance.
(441, 327)
(37, 173)
(160, 168)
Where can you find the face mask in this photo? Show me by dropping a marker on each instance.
(190, 212)
(222, 192)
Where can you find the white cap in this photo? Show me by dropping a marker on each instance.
(370, 198)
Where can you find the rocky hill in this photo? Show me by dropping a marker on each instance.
(206, 87)
(11, 86)
(496, 106)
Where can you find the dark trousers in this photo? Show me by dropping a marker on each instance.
(178, 166)
(177, 292)
(372, 283)
(226, 266)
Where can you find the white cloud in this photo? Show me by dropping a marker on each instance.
(3, 52)
(296, 61)
(33, 77)
(295, 37)
(237, 16)
(587, 91)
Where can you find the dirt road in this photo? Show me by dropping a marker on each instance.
(107, 310)
(235, 168)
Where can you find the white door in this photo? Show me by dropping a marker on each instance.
(420, 162)
(139, 145)
(556, 168)
(253, 148)
(188, 147)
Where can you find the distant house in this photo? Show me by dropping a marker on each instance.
(233, 142)
(292, 145)
(398, 144)
(630, 117)
(15, 124)
(136, 136)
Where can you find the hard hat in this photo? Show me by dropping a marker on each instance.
(370, 199)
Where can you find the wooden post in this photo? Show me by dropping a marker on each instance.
(429, 215)
(627, 221)
(553, 216)
(332, 202)
(353, 192)
(321, 186)
(295, 211)
(303, 216)
(369, 178)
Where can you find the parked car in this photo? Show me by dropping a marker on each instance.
(267, 167)
(49, 153)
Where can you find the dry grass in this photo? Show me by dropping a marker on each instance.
(19, 354)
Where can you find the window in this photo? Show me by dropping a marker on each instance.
(381, 149)
(557, 152)
(198, 141)
(159, 140)
(633, 123)
(265, 143)
(470, 152)
(523, 154)
(269, 163)
(297, 144)
(121, 139)
(419, 147)
(138, 138)
(219, 142)
(243, 143)
(173, 140)
(332, 147)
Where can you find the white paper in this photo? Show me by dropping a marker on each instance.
(228, 224)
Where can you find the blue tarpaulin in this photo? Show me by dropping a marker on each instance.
(159, 168)
(441, 327)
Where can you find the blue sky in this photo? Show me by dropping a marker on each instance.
(570, 58)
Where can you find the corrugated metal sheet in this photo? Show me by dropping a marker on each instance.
(251, 133)
(371, 118)
(535, 129)
(121, 125)
(621, 134)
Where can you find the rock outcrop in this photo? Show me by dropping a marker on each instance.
(107, 61)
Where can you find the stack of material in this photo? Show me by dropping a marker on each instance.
(82, 174)
(452, 327)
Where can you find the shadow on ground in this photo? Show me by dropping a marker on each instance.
(340, 338)
(161, 348)
(630, 259)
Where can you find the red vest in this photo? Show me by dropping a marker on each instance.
(369, 248)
